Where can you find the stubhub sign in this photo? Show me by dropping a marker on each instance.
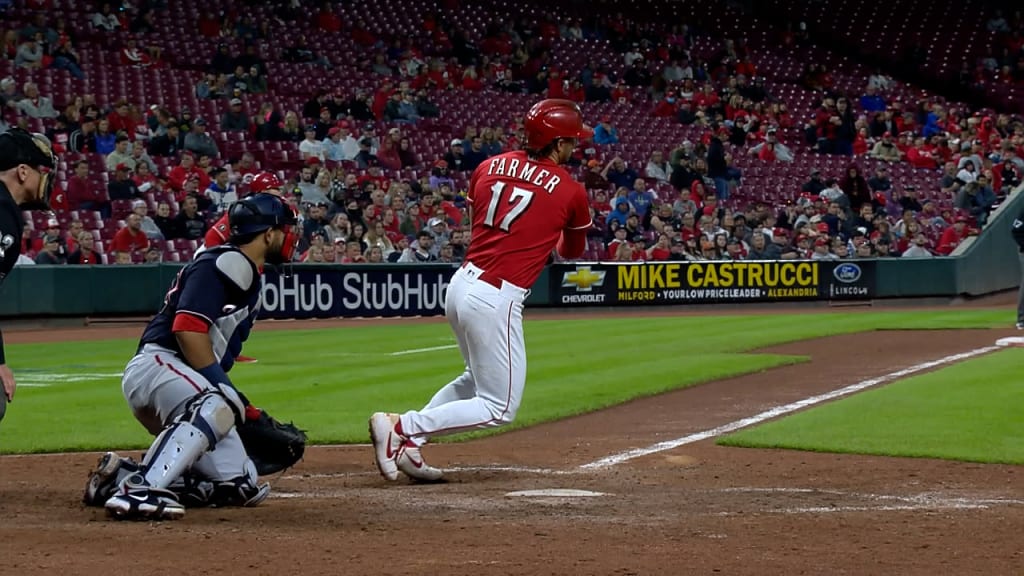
(314, 291)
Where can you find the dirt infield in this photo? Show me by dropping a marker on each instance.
(695, 509)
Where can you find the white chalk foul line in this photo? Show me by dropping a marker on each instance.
(780, 410)
(929, 501)
(422, 350)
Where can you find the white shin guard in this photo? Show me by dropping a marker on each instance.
(206, 420)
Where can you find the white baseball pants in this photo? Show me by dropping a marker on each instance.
(488, 326)
(157, 384)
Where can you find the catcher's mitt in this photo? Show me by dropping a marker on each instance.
(271, 445)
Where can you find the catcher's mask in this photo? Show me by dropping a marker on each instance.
(34, 151)
(260, 212)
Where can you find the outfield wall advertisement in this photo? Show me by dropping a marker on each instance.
(608, 284)
(322, 292)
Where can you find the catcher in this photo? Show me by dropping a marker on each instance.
(211, 443)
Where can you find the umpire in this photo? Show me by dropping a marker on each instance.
(26, 179)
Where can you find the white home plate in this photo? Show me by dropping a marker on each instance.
(1011, 341)
(555, 493)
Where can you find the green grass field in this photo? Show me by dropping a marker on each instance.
(330, 380)
(967, 411)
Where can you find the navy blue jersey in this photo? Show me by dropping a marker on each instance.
(218, 292)
(11, 226)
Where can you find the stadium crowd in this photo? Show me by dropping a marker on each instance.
(368, 195)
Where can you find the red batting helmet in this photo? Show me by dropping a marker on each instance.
(265, 181)
(551, 119)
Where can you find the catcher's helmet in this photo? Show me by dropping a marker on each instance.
(263, 182)
(553, 118)
(260, 212)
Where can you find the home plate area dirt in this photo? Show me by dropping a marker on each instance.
(695, 509)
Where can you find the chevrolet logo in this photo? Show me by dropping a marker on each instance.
(584, 279)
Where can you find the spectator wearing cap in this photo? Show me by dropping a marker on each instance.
(121, 186)
(455, 158)
(51, 251)
(311, 147)
(317, 222)
(148, 226)
(85, 253)
(821, 249)
(885, 149)
(235, 119)
(440, 174)
(420, 250)
(169, 144)
(605, 133)
(365, 158)
(324, 123)
(771, 150)
(976, 198)
(880, 182)
(221, 193)
(333, 147)
(593, 179)
(370, 133)
(438, 229)
(121, 154)
(199, 141)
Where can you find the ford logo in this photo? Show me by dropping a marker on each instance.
(847, 273)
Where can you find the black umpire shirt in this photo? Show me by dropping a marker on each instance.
(11, 226)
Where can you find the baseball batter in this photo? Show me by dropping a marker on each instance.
(523, 204)
(177, 384)
(26, 162)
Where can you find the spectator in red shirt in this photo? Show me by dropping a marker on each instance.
(953, 236)
(921, 156)
(122, 120)
(183, 171)
(83, 195)
(328, 20)
(666, 107)
(131, 237)
(662, 250)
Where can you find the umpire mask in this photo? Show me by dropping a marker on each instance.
(33, 151)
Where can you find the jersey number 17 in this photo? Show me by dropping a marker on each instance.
(518, 200)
